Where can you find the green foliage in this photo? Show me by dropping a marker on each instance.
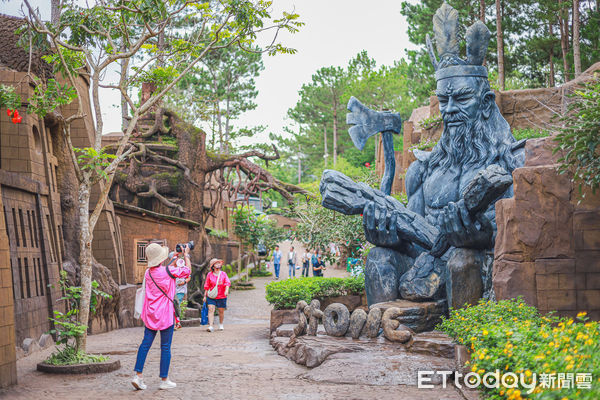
(90, 159)
(8, 98)
(46, 97)
(49, 96)
(260, 273)
(183, 306)
(66, 326)
(511, 336)
(285, 294)
(253, 228)
(529, 133)
(218, 233)
(401, 197)
(431, 122)
(320, 226)
(580, 138)
(69, 355)
(424, 144)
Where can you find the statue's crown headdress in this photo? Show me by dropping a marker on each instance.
(445, 28)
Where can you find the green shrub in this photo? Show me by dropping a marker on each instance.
(285, 294)
(579, 140)
(218, 233)
(511, 336)
(69, 355)
(529, 133)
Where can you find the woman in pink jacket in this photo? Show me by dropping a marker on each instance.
(158, 312)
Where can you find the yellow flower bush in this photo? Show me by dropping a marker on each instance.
(511, 336)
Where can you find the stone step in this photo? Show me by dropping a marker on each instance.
(418, 316)
(434, 343)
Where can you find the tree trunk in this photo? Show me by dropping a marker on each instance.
(299, 165)
(124, 105)
(576, 47)
(334, 133)
(500, 40)
(325, 152)
(551, 82)
(482, 10)
(55, 12)
(85, 259)
(564, 37)
(227, 105)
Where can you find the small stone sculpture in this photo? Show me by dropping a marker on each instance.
(392, 330)
(300, 329)
(336, 319)
(313, 313)
(371, 328)
(357, 323)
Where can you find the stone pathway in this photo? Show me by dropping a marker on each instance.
(239, 362)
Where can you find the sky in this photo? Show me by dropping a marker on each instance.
(334, 32)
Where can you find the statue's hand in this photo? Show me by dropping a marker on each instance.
(463, 231)
(380, 226)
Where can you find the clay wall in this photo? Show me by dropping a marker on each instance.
(8, 365)
(548, 242)
(143, 228)
(225, 249)
(31, 246)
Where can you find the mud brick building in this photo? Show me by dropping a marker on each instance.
(31, 243)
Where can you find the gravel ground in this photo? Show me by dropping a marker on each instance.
(237, 363)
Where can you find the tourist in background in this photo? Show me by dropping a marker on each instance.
(216, 278)
(181, 290)
(318, 267)
(292, 258)
(277, 261)
(314, 260)
(158, 312)
(306, 259)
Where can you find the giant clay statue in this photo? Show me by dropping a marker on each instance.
(440, 243)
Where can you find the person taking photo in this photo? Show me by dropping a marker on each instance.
(158, 312)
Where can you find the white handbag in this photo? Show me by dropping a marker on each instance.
(214, 292)
(140, 296)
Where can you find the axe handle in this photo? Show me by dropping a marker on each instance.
(389, 162)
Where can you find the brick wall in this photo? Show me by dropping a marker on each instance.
(137, 227)
(8, 364)
(548, 242)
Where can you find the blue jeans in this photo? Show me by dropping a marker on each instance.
(305, 268)
(292, 270)
(166, 336)
(276, 266)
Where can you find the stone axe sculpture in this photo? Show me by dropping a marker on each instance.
(366, 123)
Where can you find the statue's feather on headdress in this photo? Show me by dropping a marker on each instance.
(478, 37)
(445, 28)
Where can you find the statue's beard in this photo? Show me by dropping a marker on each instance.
(466, 144)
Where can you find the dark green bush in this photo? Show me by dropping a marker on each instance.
(579, 140)
(529, 133)
(285, 294)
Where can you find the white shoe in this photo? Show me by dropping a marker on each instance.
(167, 384)
(210, 328)
(221, 328)
(138, 383)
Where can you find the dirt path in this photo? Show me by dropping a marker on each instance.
(238, 361)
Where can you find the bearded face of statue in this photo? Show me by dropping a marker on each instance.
(465, 104)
